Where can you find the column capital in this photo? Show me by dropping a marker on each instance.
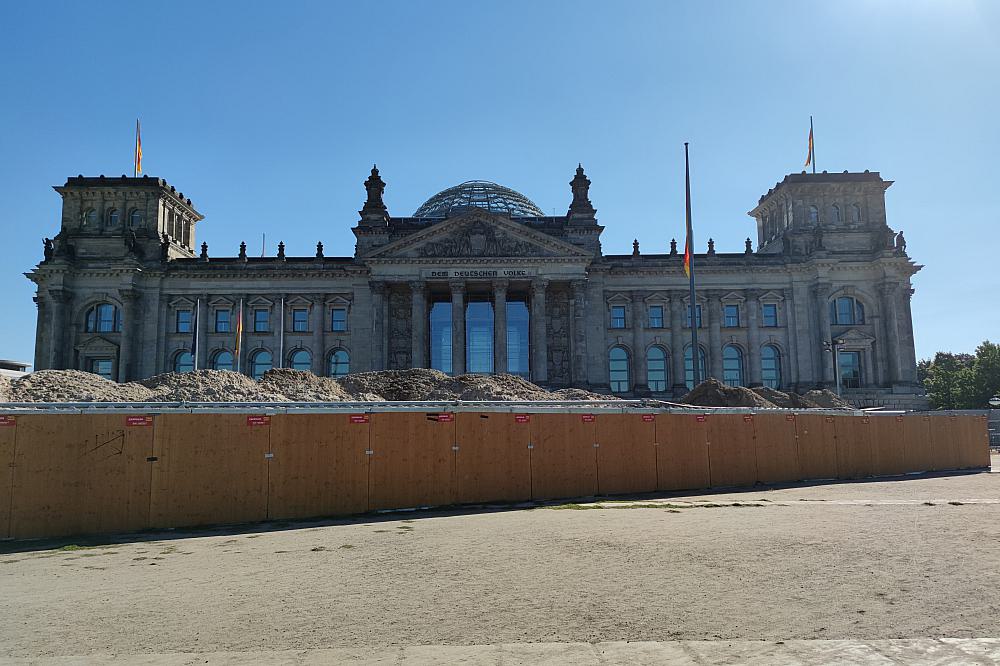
(578, 285)
(822, 289)
(501, 285)
(888, 288)
(418, 286)
(131, 295)
(60, 295)
(378, 287)
(457, 286)
(539, 285)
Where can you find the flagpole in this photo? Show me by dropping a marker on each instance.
(693, 309)
(812, 135)
(194, 345)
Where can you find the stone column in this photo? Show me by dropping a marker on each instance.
(908, 351)
(418, 324)
(640, 380)
(868, 371)
(822, 292)
(457, 328)
(677, 342)
(539, 344)
(786, 318)
(378, 341)
(318, 328)
(753, 335)
(40, 361)
(203, 324)
(714, 336)
(129, 335)
(579, 326)
(60, 299)
(500, 325)
(890, 318)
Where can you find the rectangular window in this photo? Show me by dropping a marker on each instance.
(732, 313)
(261, 321)
(183, 321)
(222, 321)
(440, 338)
(770, 314)
(850, 369)
(656, 316)
(617, 316)
(697, 315)
(102, 367)
(517, 338)
(338, 319)
(300, 320)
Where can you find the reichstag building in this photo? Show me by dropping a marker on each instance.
(478, 279)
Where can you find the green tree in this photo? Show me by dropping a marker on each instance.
(962, 381)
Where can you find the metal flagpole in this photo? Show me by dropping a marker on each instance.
(812, 141)
(194, 343)
(693, 309)
(281, 336)
(239, 338)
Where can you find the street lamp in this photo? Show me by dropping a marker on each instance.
(995, 402)
(834, 348)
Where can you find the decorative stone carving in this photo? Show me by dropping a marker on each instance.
(480, 239)
(400, 329)
(557, 332)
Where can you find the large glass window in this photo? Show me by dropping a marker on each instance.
(732, 365)
(618, 369)
(261, 321)
(338, 319)
(656, 369)
(300, 359)
(114, 217)
(222, 321)
(849, 363)
(260, 362)
(732, 315)
(517, 338)
(770, 366)
(103, 318)
(656, 316)
(689, 367)
(697, 315)
(183, 321)
(300, 320)
(479, 337)
(135, 219)
(102, 367)
(617, 316)
(769, 312)
(340, 363)
(847, 311)
(184, 362)
(223, 360)
(440, 339)
(90, 218)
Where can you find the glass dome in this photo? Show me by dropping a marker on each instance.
(479, 194)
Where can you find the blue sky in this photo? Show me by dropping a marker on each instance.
(269, 116)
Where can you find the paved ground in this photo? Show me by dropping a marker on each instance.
(890, 570)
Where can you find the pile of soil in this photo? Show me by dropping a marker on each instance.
(304, 386)
(713, 393)
(790, 400)
(74, 386)
(208, 386)
(5, 389)
(826, 399)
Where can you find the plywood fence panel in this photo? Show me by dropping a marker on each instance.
(889, 445)
(80, 474)
(917, 443)
(412, 461)
(563, 455)
(319, 465)
(816, 441)
(493, 461)
(210, 468)
(682, 452)
(854, 447)
(626, 453)
(944, 451)
(777, 453)
(8, 437)
(973, 441)
(732, 458)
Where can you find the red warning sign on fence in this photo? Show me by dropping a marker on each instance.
(359, 418)
(899, 419)
(138, 420)
(790, 417)
(257, 420)
(748, 418)
(700, 418)
(587, 418)
(522, 418)
(648, 418)
(444, 418)
(6, 420)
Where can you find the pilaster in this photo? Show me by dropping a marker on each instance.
(714, 335)
(753, 335)
(457, 327)
(500, 325)
(539, 350)
(418, 324)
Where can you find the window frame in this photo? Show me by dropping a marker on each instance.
(176, 364)
(653, 320)
(657, 385)
(726, 321)
(698, 316)
(333, 319)
(763, 315)
(257, 353)
(618, 322)
(257, 322)
(221, 352)
(855, 382)
(228, 320)
(764, 370)
(92, 363)
(297, 352)
(179, 320)
(304, 322)
(619, 385)
(333, 362)
(740, 360)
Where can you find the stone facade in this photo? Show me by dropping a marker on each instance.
(123, 282)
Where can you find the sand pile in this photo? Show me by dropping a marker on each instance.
(713, 393)
(304, 386)
(826, 399)
(209, 386)
(789, 400)
(74, 386)
(5, 389)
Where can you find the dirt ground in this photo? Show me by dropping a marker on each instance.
(911, 558)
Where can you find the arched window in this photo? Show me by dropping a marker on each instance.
(113, 217)
(90, 219)
(732, 365)
(300, 359)
(770, 366)
(846, 311)
(656, 369)
(689, 367)
(788, 214)
(855, 213)
(223, 360)
(260, 363)
(103, 318)
(135, 219)
(813, 215)
(835, 214)
(184, 362)
(340, 363)
(618, 369)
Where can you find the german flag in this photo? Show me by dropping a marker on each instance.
(138, 149)
(689, 235)
(810, 156)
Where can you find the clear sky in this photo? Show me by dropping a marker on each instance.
(269, 116)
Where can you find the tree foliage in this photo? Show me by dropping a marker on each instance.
(962, 381)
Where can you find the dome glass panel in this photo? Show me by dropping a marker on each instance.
(479, 194)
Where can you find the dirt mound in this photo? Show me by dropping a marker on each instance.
(208, 386)
(713, 393)
(579, 394)
(303, 386)
(74, 386)
(6, 389)
(827, 399)
(790, 400)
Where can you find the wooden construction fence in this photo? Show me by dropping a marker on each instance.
(75, 473)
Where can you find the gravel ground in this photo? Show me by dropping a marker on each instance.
(913, 558)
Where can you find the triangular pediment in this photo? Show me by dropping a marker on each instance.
(855, 336)
(97, 344)
(475, 234)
